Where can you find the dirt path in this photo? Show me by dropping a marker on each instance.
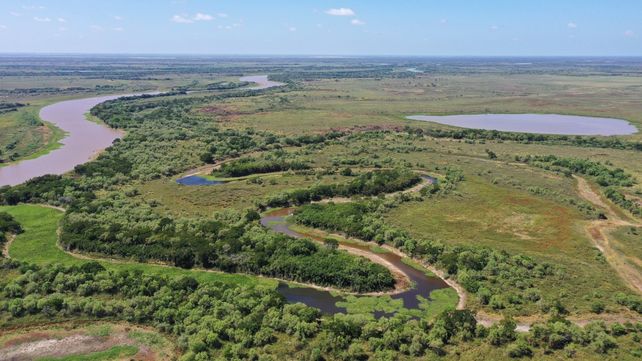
(7, 245)
(599, 230)
(35, 342)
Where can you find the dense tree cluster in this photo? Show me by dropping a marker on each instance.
(45, 189)
(253, 165)
(8, 225)
(224, 322)
(371, 183)
(231, 242)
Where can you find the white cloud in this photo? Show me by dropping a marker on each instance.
(222, 15)
(292, 29)
(340, 12)
(42, 20)
(443, 21)
(62, 20)
(202, 17)
(33, 7)
(119, 29)
(629, 33)
(357, 22)
(181, 19)
(13, 13)
(571, 25)
(3, 27)
(118, 18)
(494, 28)
(186, 19)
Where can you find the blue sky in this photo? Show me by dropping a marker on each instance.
(360, 27)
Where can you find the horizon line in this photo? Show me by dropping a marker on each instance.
(317, 55)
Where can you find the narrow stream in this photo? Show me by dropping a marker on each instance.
(423, 285)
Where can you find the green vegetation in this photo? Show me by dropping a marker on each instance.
(114, 353)
(366, 184)
(187, 261)
(604, 176)
(23, 135)
(239, 322)
(8, 225)
(500, 281)
(248, 166)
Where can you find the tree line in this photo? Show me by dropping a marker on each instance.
(222, 321)
(483, 134)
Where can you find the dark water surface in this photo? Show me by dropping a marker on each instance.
(324, 300)
(535, 123)
(195, 180)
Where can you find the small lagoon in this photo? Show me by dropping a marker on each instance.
(535, 123)
(196, 180)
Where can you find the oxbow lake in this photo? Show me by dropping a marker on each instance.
(195, 180)
(535, 123)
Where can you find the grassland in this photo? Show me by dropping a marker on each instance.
(183, 200)
(328, 104)
(24, 136)
(86, 341)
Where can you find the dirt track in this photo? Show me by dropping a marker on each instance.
(599, 230)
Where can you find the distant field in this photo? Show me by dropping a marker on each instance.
(326, 104)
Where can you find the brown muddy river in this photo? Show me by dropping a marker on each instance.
(261, 81)
(84, 140)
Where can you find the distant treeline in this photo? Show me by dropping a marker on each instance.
(10, 107)
(357, 73)
(482, 134)
(248, 166)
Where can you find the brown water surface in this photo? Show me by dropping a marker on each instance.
(84, 140)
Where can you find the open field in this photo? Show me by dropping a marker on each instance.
(343, 103)
(180, 200)
(85, 341)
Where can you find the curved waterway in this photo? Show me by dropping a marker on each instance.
(535, 123)
(84, 140)
(262, 82)
(422, 285)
